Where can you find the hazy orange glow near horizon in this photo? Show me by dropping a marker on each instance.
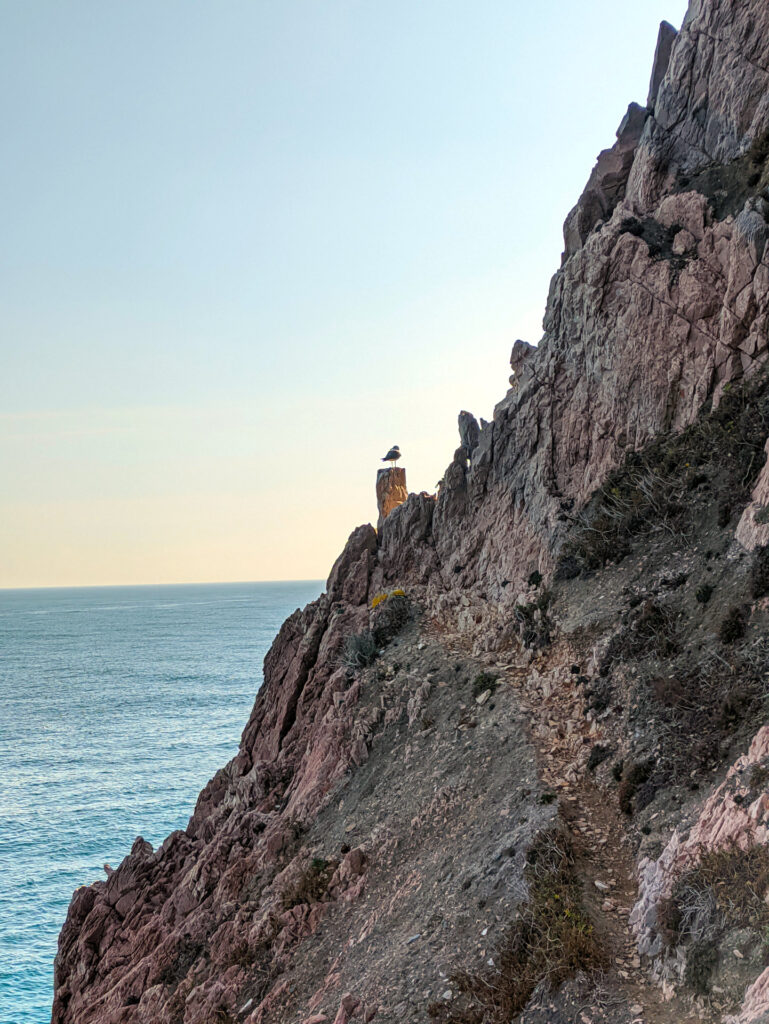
(249, 247)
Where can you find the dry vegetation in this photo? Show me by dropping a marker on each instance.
(726, 890)
(389, 615)
(551, 939)
(721, 453)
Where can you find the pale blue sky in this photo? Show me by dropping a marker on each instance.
(247, 246)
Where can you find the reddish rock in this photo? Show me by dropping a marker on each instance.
(726, 821)
(391, 491)
(752, 532)
(348, 1009)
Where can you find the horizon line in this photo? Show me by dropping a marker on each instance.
(178, 583)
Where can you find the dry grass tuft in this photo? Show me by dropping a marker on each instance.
(726, 890)
(551, 939)
(360, 650)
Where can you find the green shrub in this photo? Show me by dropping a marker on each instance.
(482, 682)
(653, 630)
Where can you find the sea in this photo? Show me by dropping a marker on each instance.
(117, 704)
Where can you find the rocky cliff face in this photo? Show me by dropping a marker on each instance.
(660, 301)
(373, 830)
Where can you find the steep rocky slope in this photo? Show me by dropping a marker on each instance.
(474, 802)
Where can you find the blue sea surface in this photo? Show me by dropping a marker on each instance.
(117, 704)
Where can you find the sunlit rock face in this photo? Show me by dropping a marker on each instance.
(391, 491)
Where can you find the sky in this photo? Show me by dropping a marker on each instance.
(248, 245)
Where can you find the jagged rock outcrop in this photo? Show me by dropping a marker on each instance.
(735, 817)
(729, 819)
(607, 184)
(661, 301)
(469, 432)
(161, 909)
(391, 491)
(659, 306)
(665, 39)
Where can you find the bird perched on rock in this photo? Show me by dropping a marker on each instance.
(393, 455)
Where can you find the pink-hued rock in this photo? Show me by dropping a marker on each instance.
(654, 310)
(665, 39)
(606, 186)
(725, 821)
(167, 911)
(348, 1008)
(752, 534)
(755, 1006)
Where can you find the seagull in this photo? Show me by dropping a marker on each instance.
(393, 455)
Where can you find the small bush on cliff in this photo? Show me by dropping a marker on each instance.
(737, 880)
(655, 488)
(701, 704)
(533, 622)
(551, 940)
(652, 630)
(360, 650)
(389, 618)
(484, 681)
(724, 891)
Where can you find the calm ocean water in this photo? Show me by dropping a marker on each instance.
(116, 706)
